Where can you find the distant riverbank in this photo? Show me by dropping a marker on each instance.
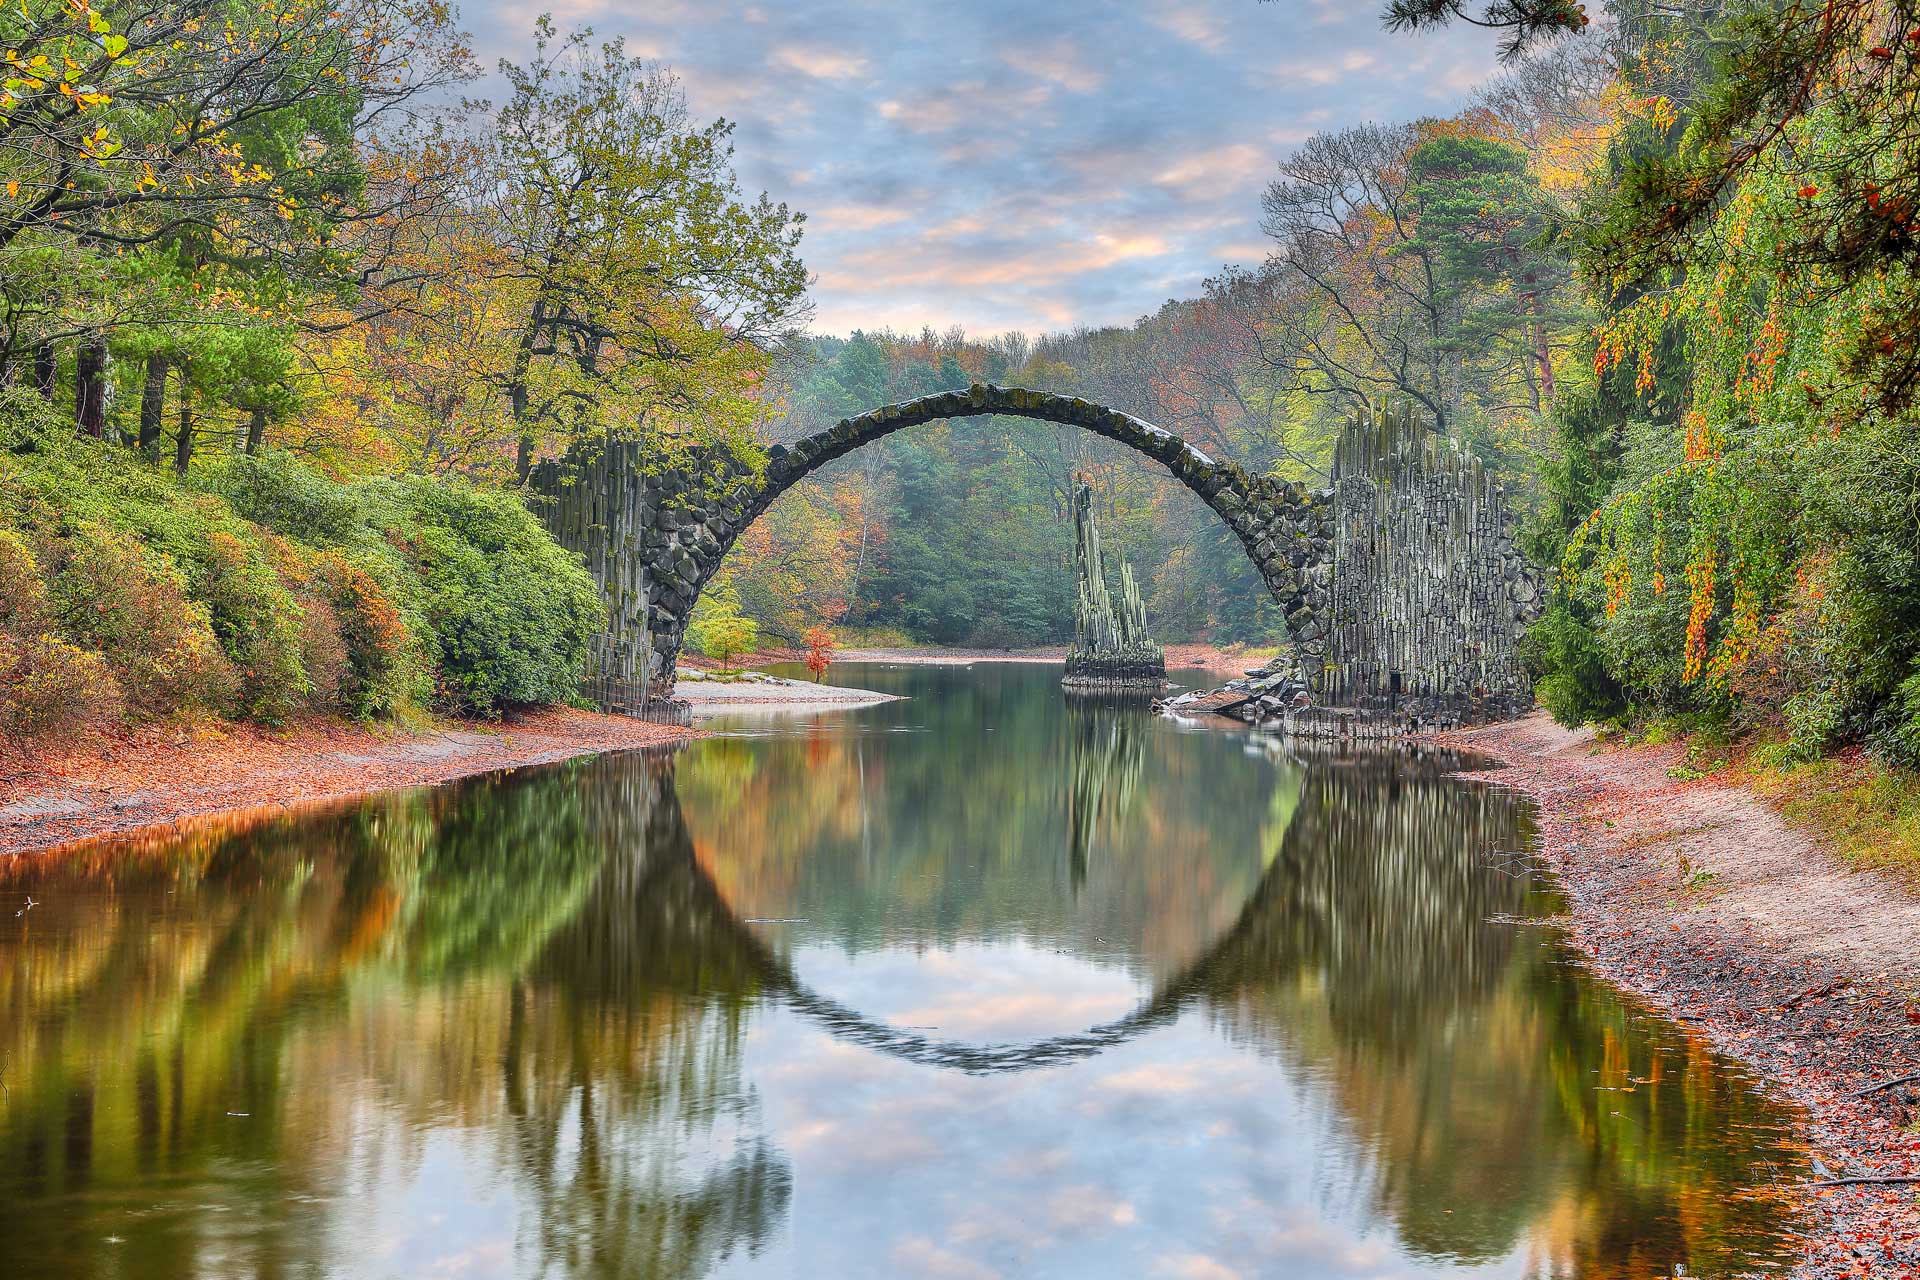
(112, 786)
(1696, 895)
(1230, 660)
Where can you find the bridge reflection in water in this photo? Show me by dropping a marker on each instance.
(539, 1024)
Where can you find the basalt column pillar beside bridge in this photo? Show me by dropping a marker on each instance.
(654, 527)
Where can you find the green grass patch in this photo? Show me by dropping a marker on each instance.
(1866, 810)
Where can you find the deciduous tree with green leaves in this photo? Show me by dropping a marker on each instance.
(641, 282)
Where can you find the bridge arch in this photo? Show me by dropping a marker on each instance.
(655, 534)
(663, 912)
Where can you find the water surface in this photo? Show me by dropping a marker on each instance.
(982, 983)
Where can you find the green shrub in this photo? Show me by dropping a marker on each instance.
(1571, 677)
(46, 684)
(112, 596)
(28, 420)
(383, 665)
(51, 686)
(271, 588)
(512, 615)
(259, 625)
(23, 596)
(294, 501)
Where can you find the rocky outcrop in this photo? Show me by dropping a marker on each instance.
(1112, 648)
(1427, 596)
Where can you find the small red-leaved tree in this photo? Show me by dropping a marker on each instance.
(819, 642)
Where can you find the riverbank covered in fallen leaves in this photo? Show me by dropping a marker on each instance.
(112, 786)
(1701, 899)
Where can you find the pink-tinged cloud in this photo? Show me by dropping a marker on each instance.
(1007, 163)
(821, 63)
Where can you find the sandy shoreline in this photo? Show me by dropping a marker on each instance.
(760, 690)
(1697, 897)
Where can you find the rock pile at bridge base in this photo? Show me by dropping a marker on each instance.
(1114, 676)
(1276, 698)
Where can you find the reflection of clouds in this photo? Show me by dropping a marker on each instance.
(1183, 1078)
(1255, 1232)
(1193, 1266)
(917, 1255)
(1006, 1175)
(489, 1259)
(988, 1229)
(986, 992)
(1086, 1206)
(1010, 1017)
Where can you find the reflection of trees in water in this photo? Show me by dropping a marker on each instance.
(1492, 1083)
(1106, 754)
(293, 970)
(1382, 890)
(625, 1039)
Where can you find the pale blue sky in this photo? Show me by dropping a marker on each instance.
(1020, 164)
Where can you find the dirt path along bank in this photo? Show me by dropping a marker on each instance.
(1697, 896)
(115, 786)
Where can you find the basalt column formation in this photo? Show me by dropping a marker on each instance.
(1112, 649)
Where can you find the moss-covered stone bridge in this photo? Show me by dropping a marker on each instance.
(654, 529)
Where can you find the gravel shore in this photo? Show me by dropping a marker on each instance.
(1698, 897)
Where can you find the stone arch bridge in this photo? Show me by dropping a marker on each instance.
(654, 530)
(653, 527)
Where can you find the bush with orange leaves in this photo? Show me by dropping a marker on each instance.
(113, 597)
(383, 665)
(46, 684)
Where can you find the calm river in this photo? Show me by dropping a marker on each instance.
(978, 984)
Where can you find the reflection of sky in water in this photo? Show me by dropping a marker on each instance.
(974, 991)
(1173, 1155)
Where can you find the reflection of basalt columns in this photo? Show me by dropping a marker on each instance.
(1109, 757)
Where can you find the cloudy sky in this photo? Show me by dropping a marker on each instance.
(1020, 164)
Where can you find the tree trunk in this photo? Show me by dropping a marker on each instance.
(90, 387)
(46, 370)
(517, 398)
(183, 443)
(153, 403)
(1543, 350)
(517, 390)
(256, 430)
(523, 459)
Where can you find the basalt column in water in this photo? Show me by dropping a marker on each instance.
(1112, 649)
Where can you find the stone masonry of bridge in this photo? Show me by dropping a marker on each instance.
(1402, 583)
(653, 529)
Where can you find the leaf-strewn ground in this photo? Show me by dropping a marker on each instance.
(164, 776)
